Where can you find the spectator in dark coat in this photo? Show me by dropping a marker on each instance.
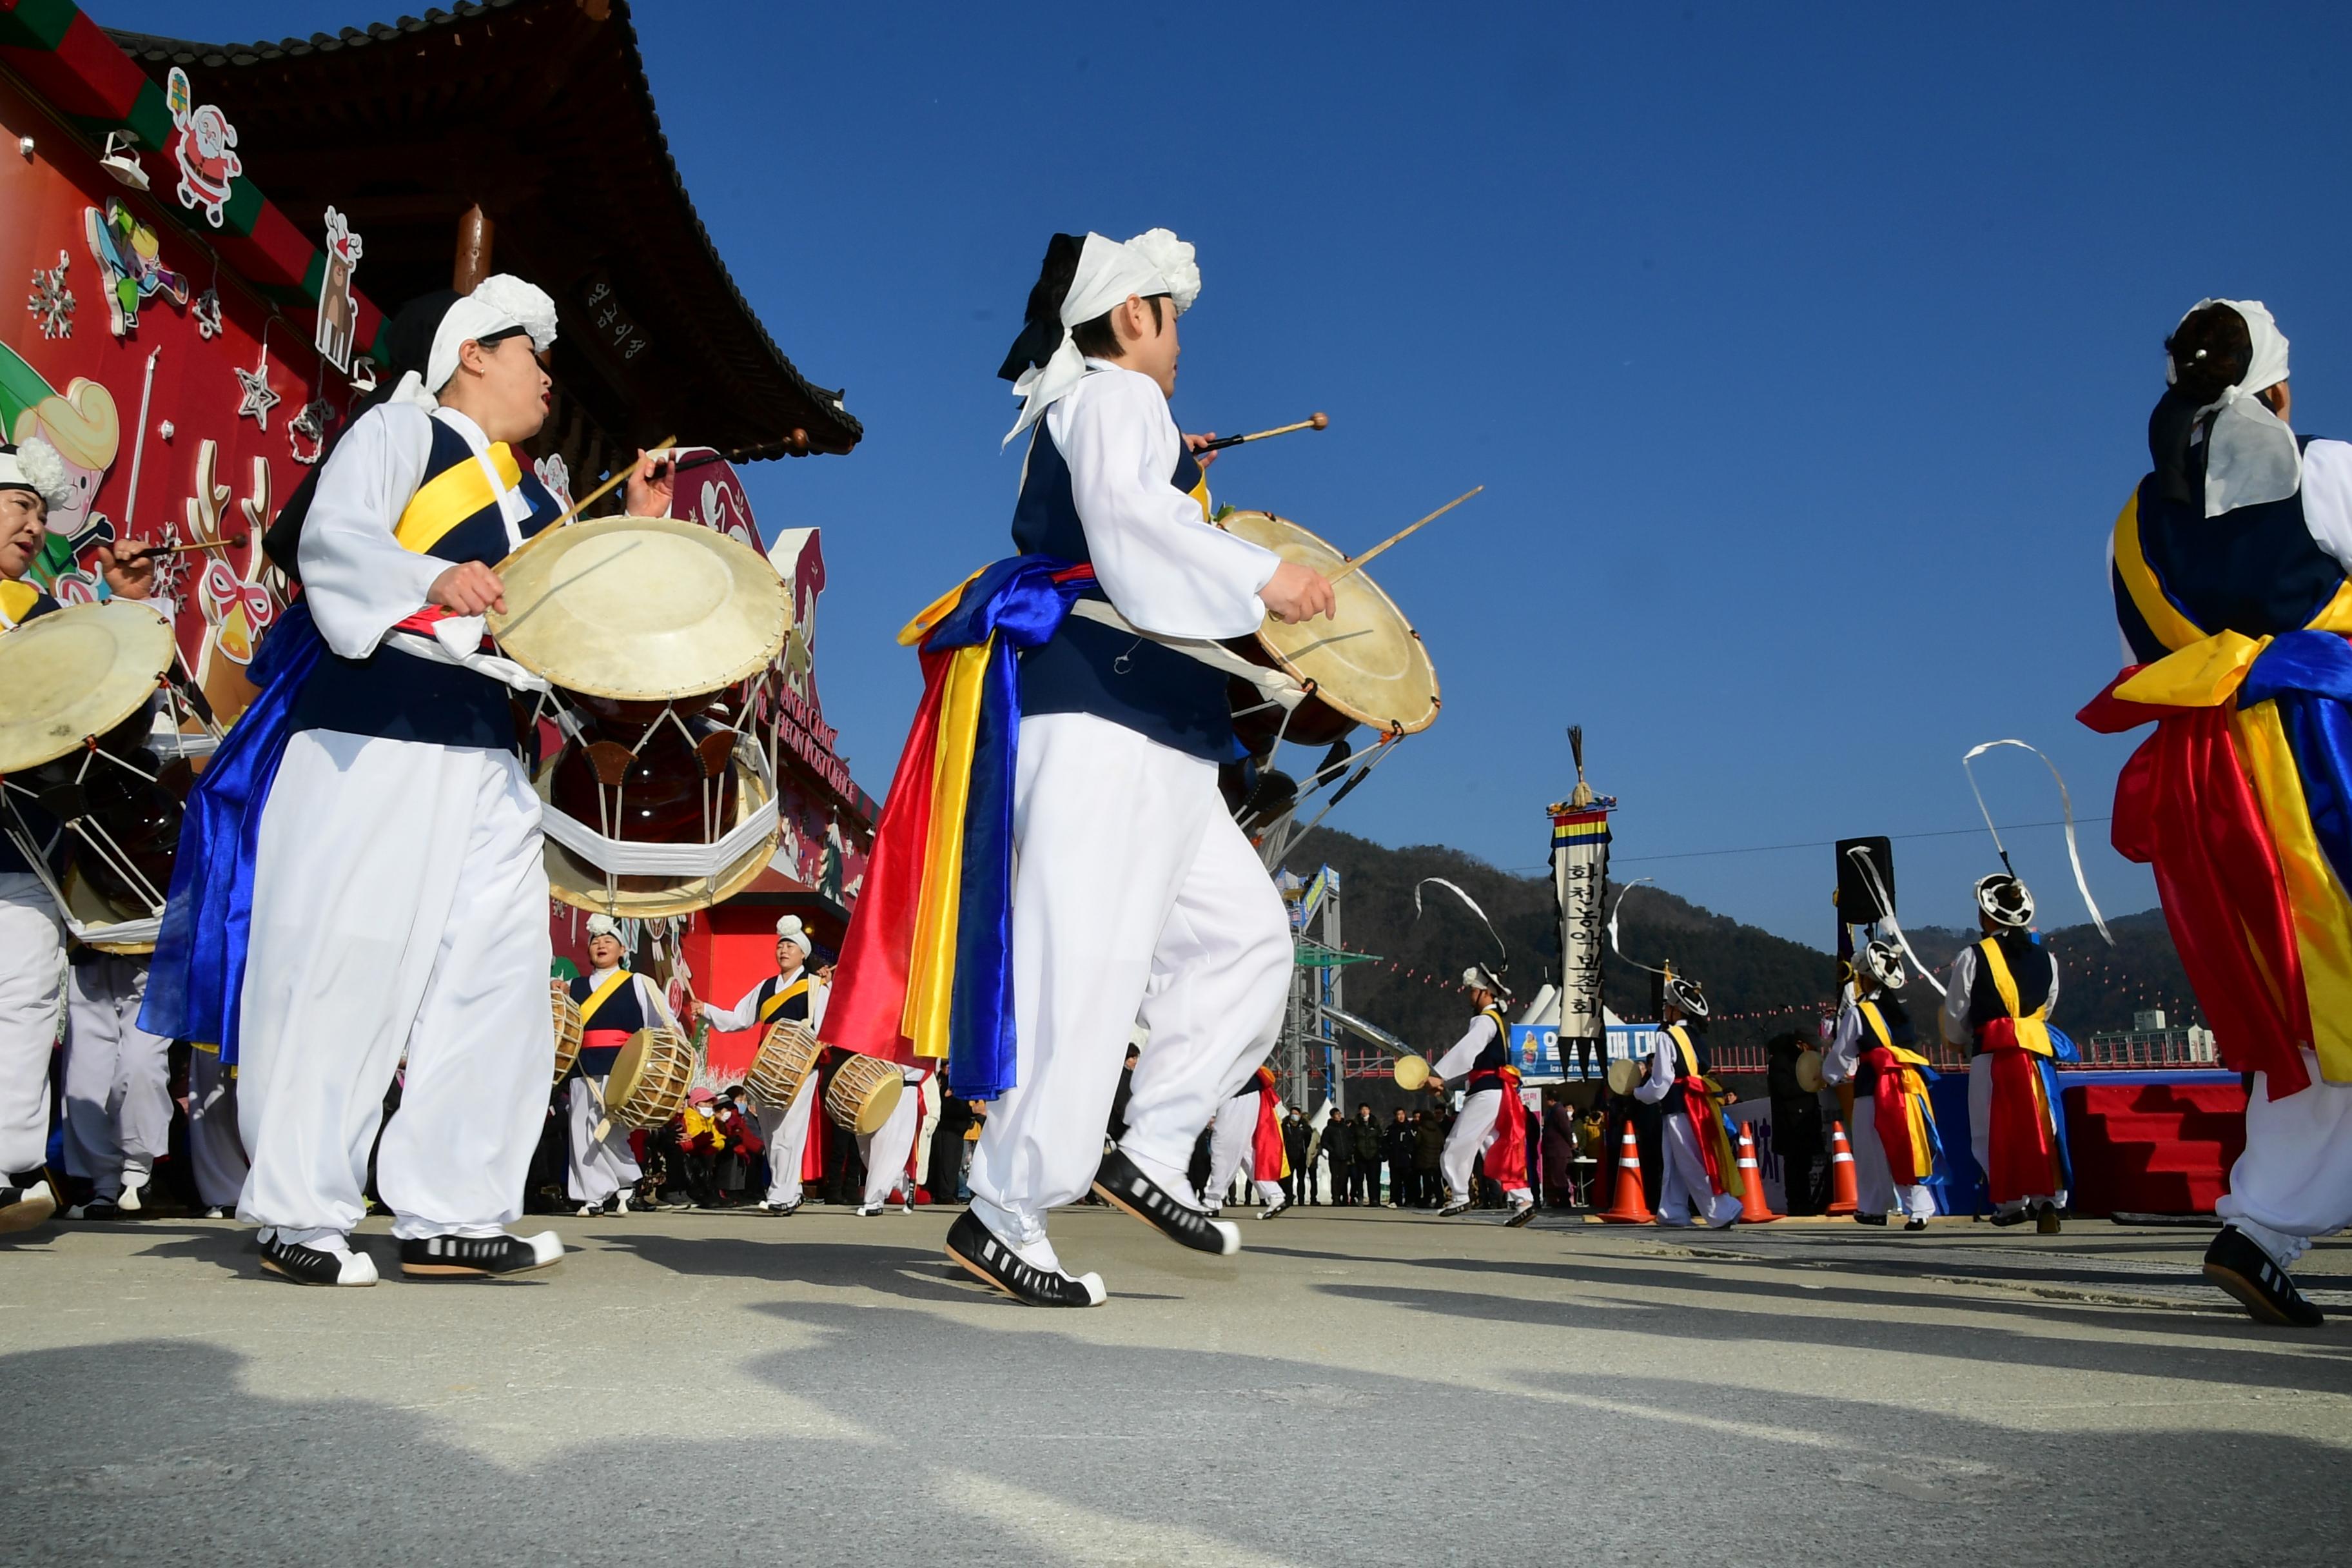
(1296, 1137)
(1797, 1130)
(1338, 1143)
(1366, 1154)
(946, 1173)
(1559, 1149)
(1397, 1145)
(1428, 1154)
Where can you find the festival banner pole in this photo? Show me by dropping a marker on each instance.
(1580, 876)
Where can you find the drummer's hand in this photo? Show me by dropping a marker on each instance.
(1297, 592)
(652, 484)
(130, 569)
(1194, 445)
(469, 589)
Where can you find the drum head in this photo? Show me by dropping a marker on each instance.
(881, 1101)
(628, 1067)
(1624, 1077)
(75, 673)
(1412, 1073)
(1367, 662)
(574, 881)
(641, 608)
(1809, 1071)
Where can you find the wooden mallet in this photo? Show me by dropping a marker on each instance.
(1356, 561)
(1313, 422)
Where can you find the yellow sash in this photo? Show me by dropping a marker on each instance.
(603, 994)
(452, 496)
(797, 988)
(2033, 1033)
(17, 602)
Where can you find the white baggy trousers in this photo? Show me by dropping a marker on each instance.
(885, 1149)
(1683, 1192)
(784, 1130)
(215, 1157)
(1472, 1134)
(118, 1077)
(2294, 1180)
(600, 1166)
(1874, 1180)
(1134, 896)
(32, 969)
(399, 906)
(1233, 1145)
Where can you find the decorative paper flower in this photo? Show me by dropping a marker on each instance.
(45, 470)
(526, 303)
(1172, 258)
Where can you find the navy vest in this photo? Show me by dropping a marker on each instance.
(19, 603)
(794, 1007)
(2255, 570)
(401, 697)
(1089, 668)
(621, 1011)
(2031, 967)
(1677, 1098)
(1486, 1072)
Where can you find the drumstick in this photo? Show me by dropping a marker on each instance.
(153, 551)
(1357, 561)
(1314, 422)
(601, 492)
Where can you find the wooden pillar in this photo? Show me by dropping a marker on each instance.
(474, 235)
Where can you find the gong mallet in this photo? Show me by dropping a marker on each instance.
(1313, 422)
(1356, 561)
(160, 550)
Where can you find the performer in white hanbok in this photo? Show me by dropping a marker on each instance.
(398, 898)
(1493, 1120)
(1248, 1132)
(215, 1156)
(1134, 896)
(791, 992)
(614, 1004)
(1698, 1182)
(118, 1085)
(1871, 1047)
(887, 1149)
(33, 479)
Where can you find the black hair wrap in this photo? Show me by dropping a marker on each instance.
(1040, 332)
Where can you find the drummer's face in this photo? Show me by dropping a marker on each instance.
(1147, 343)
(21, 516)
(604, 951)
(789, 956)
(506, 392)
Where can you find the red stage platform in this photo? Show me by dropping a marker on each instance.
(2152, 1142)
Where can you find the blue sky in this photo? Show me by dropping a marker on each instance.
(1805, 353)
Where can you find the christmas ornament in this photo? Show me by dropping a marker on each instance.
(307, 436)
(338, 314)
(52, 303)
(207, 314)
(130, 264)
(205, 148)
(257, 400)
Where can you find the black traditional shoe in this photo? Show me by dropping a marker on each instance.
(2045, 1220)
(26, 1201)
(973, 1244)
(1520, 1214)
(1459, 1205)
(1274, 1208)
(1869, 1219)
(2016, 1215)
(1123, 1185)
(2266, 1291)
(1915, 1223)
(781, 1210)
(316, 1265)
(100, 1209)
(478, 1257)
(868, 1211)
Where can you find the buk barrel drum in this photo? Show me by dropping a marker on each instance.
(1624, 1077)
(567, 1029)
(650, 1080)
(865, 1090)
(91, 786)
(787, 1052)
(659, 801)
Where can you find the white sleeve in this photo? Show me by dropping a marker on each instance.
(1955, 1023)
(2327, 497)
(818, 995)
(1164, 568)
(742, 1015)
(1845, 1046)
(2049, 1008)
(1458, 1061)
(356, 578)
(1653, 1089)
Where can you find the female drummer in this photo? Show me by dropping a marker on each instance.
(791, 992)
(399, 902)
(1135, 895)
(33, 479)
(614, 1004)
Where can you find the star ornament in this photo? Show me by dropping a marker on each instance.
(257, 399)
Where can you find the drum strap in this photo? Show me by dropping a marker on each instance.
(1273, 685)
(628, 858)
(602, 995)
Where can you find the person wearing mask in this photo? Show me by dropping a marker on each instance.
(701, 1141)
(33, 479)
(1492, 1122)
(791, 993)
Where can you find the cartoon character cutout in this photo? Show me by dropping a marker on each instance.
(83, 426)
(338, 313)
(205, 149)
(130, 264)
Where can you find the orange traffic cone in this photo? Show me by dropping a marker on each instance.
(1754, 1208)
(1630, 1207)
(1842, 1199)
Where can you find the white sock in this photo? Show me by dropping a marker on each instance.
(2283, 1249)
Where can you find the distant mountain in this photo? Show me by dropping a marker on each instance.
(1760, 983)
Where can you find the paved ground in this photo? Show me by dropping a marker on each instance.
(1357, 1388)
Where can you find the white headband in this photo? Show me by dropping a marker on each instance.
(1153, 262)
(2251, 456)
(790, 928)
(602, 925)
(37, 467)
(500, 303)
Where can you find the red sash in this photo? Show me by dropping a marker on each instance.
(1899, 1103)
(1506, 1157)
(1706, 1117)
(1268, 1161)
(2022, 1140)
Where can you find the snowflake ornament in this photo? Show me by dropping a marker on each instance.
(207, 314)
(51, 303)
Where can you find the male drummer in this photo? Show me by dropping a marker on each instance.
(1135, 896)
(1996, 1003)
(614, 1004)
(399, 902)
(887, 1149)
(791, 993)
(33, 479)
(1691, 1141)
(1248, 1130)
(1492, 1121)
(1872, 1044)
